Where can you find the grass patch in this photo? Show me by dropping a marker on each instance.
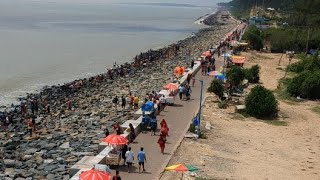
(237, 116)
(283, 95)
(316, 109)
(277, 123)
(200, 178)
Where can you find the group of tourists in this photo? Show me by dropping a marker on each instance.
(185, 91)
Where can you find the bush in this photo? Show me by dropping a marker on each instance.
(306, 64)
(223, 105)
(216, 87)
(253, 74)
(261, 103)
(235, 76)
(306, 85)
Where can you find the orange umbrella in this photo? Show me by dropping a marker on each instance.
(177, 70)
(207, 54)
(114, 139)
(238, 59)
(182, 70)
(94, 175)
(171, 87)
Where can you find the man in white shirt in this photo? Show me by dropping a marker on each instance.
(129, 158)
(162, 100)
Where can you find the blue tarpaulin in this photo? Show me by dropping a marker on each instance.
(148, 106)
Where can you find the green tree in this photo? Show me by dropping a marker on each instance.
(216, 87)
(261, 103)
(235, 76)
(255, 37)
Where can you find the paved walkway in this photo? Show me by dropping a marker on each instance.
(178, 118)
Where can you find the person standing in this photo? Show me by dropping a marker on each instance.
(129, 158)
(115, 102)
(163, 102)
(123, 102)
(117, 176)
(30, 126)
(162, 142)
(193, 80)
(117, 128)
(181, 91)
(141, 159)
(106, 130)
(136, 102)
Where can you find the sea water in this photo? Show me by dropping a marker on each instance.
(47, 42)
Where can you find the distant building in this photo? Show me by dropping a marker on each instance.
(260, 22)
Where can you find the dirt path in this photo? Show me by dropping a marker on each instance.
(245, 148)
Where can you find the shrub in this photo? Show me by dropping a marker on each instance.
(306, 64)
(216, 87)
(252, 74)
(261, 103)
(306, 85)
(235, 76)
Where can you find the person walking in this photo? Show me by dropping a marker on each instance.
(164, 128)
(162, 142)
(117, 176)
(129, 158)
(141, 159)
(123, 153)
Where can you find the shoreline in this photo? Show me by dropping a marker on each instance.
(91, 98)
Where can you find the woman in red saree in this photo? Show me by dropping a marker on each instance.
(162, 142)
(164, 128)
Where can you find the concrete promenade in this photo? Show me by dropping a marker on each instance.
(178, 118)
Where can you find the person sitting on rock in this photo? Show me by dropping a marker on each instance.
(117, 128)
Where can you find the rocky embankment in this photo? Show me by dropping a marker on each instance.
(63, 136)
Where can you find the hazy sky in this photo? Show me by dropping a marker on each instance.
(195, 2)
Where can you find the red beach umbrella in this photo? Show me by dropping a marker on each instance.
(94, 175)
(171, 87)
(114, 139)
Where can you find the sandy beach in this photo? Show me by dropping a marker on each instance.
(238, 147)
(62, 111)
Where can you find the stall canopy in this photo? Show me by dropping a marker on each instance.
(214, 73)
(181, 167)
(148, 106)
(114, 139)
(243, 44)
(226, 55)
(179, 70)
(171, 87)
(238, 59)
(234, 43)
(94, 175)
(207, 54)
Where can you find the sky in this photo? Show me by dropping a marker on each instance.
(193, 2)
